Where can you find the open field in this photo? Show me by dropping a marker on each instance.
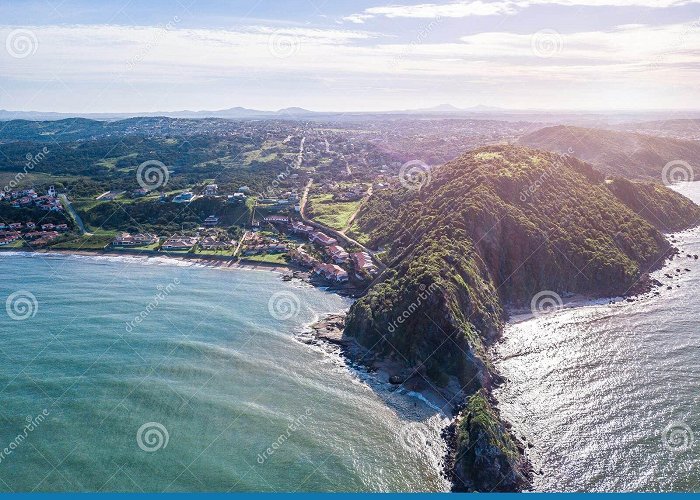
(336, 215)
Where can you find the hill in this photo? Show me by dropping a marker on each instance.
(500, 225)
(625, 154)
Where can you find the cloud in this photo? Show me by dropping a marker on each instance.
(470, 8)
(261, 60)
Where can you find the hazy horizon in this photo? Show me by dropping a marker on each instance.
(367, 56)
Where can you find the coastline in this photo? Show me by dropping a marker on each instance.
(211, 261)
(329, 330)
(650, 286)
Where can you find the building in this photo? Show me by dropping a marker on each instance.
(338, 254)
(322, 239)
(210, 243)
(236, 198)
(211, 221)
(135, 240)
(363, 262)
(332, 272)
(211, 190)
(302, 257)
(180, 243)
(277, 219)
(185, 197)
(299, 228)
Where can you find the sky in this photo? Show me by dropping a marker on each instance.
(128, 56)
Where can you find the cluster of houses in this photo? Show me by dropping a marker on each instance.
(256, 244)
(179, 243)
(283, 201)
(173, 243)
(134, 240)
(15, 231)
(362, 261)
(29, 198)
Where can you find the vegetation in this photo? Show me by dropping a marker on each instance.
(494, 227)
(331, 213)
(632, 155)
(487, 456)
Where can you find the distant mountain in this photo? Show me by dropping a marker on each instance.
(676, 128)
(236, 113)
(626, 154)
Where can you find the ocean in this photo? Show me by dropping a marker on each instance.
(148, 374)
(607, 395)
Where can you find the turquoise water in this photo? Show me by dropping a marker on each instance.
(210, 389)
(608, 395)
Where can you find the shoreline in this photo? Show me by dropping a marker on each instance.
(289, 271)
(650, 286)
(329, 330)
(209, 261)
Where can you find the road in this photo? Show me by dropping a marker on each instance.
(329, 230)
(73, 213)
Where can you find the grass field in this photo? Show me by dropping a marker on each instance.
(270, 258)
(85, 242)
(336, 215)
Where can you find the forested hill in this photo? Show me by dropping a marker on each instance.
(497, 226)
(625, 154)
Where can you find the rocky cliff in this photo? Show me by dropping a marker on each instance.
(499, 225)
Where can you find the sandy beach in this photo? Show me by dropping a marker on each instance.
(212, 261)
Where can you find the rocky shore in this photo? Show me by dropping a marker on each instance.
(330, 330)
